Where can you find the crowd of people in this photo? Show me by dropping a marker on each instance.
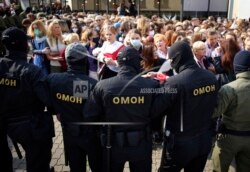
(205, 77)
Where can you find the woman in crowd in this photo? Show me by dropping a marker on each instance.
(107, 54)
(160, 42)
(90, 39)
(37, 32)
(150, 59)
(56, 46)
(71, 38)
(224, 63)
(75, 28)
(199, 51)
(64, 27)
(133, 38)
(144, 27)
(125, 27)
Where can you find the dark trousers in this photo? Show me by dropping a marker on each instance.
(5, 157)
(81, 146)
(139, 157)
(189, 153)
(37, 148)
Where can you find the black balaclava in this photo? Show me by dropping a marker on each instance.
(181, 56)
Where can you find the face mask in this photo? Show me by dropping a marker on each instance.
(120, 39)
(136, 43)
(74, 30)
(97, 28)
(37, 32)
(151, 33)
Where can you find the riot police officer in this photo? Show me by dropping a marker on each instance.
(69, 91)
(125, 100)
(6, 156)
(23, 98)
(189, 100)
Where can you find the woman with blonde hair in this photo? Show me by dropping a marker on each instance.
(38, 34)
(144, 27)
(56, 46)
(107, 54)
(160, 42)
(71, 38)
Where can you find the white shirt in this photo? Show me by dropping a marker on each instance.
(210, 51)
(199, 62)
(57, 47)
(107, 48)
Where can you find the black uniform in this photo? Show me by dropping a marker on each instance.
(6, 157)
(22, 102)
(69, 91)
(189, 102)
(125, 98)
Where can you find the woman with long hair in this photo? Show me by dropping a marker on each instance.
(57, 47)
(150, 59)
(224, 63)
(90, 39)
(38, 34)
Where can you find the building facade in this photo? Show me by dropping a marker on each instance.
(192, 8)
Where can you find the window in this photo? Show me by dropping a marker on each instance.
(164, 3)
(142, 3)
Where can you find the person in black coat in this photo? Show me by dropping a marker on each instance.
(188, 101)
(23, 99)
(69, 92)
(125, 100)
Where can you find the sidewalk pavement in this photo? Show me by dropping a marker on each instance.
(58, 156)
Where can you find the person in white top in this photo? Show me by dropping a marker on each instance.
(160, 41)
(107, 54)
(211, 43)
(56, 47)
(199, 51)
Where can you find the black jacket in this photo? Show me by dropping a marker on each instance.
(123, 98)
(66, 90)
(188, 102)
(190, 97)
(22, 88)
(223, 76)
